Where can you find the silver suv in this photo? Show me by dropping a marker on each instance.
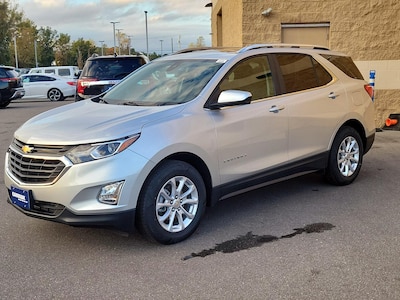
(187, 130)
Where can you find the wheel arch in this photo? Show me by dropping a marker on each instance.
(360, 129)
(197, 163)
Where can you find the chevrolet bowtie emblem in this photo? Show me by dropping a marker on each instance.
(27, 149)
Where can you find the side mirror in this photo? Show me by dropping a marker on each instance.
(232, 98)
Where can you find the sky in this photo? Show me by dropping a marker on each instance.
(172, 24)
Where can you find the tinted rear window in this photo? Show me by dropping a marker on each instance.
(111, 68)
(345, 64)
(8, 73)
(301, 72)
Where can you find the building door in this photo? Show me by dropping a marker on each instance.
(310, 34)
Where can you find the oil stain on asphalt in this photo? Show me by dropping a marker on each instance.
(251, 240)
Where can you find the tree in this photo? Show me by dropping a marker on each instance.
(9, 18)
(200, 43)
(47, 39)
(27, 34)
(63, 54)
(81, 50)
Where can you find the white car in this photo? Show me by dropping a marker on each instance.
(53, 87)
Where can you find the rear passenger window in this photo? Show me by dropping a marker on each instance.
(301, 72)
(345, 64)
(252, 75)
(64, 72)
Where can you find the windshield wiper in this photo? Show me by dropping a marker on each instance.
(101, 100)
(133, 103)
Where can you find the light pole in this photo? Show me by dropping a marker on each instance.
(36, 61)
(15, 51)
(119, 41)
(102, 46)
(147, 34)
(129, 44)
(115, 48)
(161, 46)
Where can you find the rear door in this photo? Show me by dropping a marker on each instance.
(315, 101)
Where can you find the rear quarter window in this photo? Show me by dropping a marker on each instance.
(345, 64)
(301, 72)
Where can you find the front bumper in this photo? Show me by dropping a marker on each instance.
(73, 197)
(18, 93)
(124, 221)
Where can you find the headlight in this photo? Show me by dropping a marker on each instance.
(89, 152)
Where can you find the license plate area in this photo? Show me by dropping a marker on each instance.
(21, 198)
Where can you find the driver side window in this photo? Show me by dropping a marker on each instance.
(252, 75)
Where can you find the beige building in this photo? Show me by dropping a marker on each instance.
(367, 30)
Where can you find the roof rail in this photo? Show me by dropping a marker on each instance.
(260, 46)
(188, 50)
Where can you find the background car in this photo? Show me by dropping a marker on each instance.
(71, 72)
(53, 87)
(10, 86)
(100, 73)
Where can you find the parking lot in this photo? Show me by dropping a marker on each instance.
(299, 239)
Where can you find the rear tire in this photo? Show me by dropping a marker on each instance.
(345, 157)
(4, 104)
(172, 203)
(55, 95)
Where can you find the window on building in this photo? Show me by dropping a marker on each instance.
(301, 72)
(311, 34)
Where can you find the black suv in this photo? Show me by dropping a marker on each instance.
(10, 86)
(100, 73)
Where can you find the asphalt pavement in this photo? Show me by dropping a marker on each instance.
(299, 239)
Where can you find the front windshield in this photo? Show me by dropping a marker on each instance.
(166, 82)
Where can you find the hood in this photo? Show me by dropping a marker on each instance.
(89, 122)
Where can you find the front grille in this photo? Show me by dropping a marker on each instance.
(40, 164)
(47, 208)
(34, 170)
(44, 208)
(48, 150)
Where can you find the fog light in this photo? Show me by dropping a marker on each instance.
(109, 194)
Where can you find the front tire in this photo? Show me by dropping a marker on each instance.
(55, 95)
(172, 203)
(345, 157)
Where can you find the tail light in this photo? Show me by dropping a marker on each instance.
(9, 79)
(73, 83)
(82, 84)
(370, 90)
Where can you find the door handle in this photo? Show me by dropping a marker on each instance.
(332, 95)
(275, 109)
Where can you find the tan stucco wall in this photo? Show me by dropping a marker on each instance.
(367, 30)
(232, 29)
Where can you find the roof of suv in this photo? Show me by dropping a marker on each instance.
(225, 53)
(112, 57)
(7, 67)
